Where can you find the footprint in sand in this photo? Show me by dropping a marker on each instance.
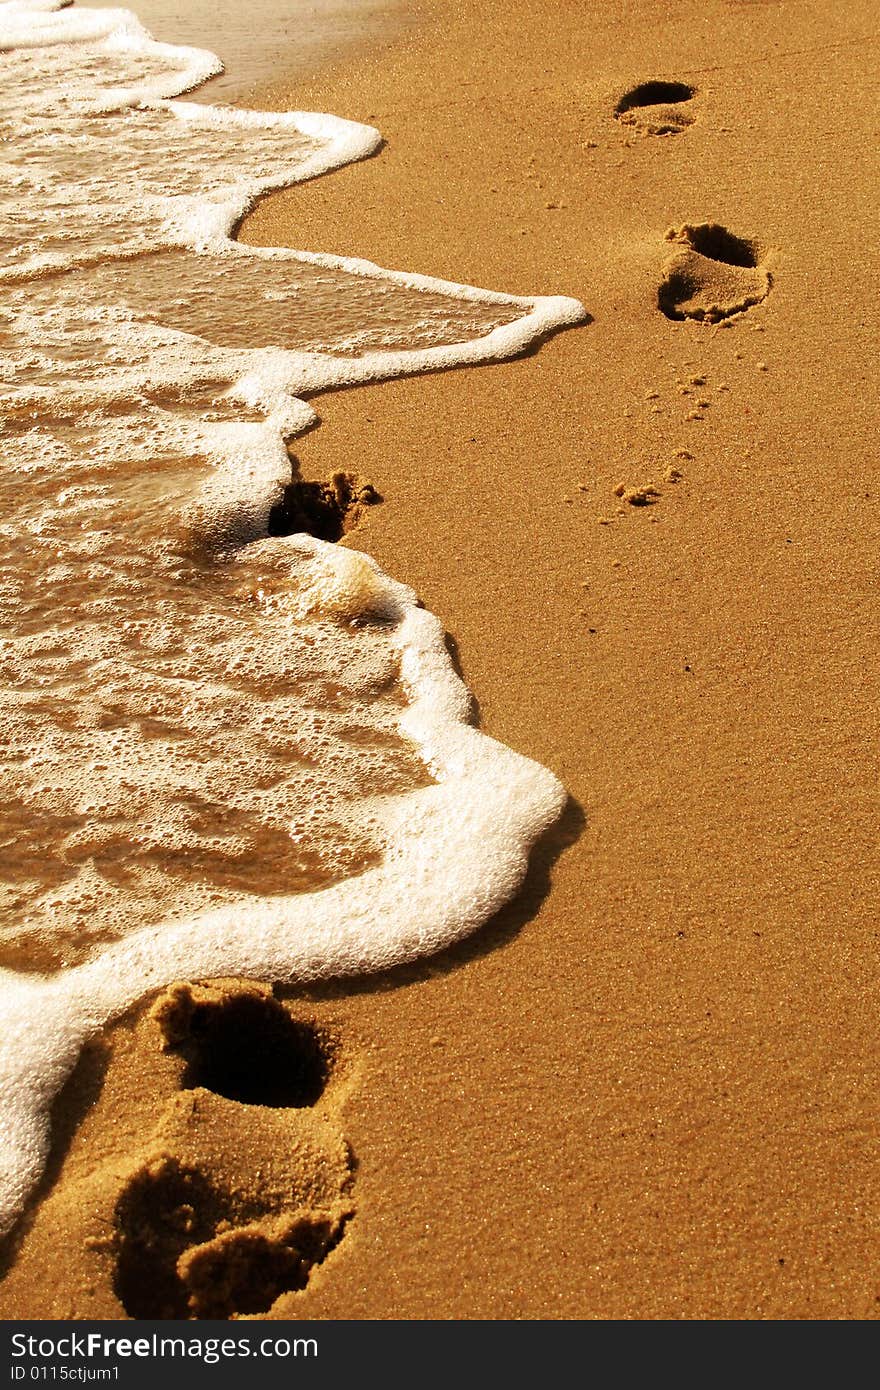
(657, 108)
(711, 274)
(229, 1186)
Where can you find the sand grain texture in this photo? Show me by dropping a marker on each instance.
(650, 1093)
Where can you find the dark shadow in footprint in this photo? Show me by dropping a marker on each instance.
(244, 1046)
(188, 1249)
(711, 275)
(328, 510)
(716, 243)
(656, 108)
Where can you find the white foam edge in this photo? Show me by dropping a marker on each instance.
(275, 375)
(482, 815)
(208, 229)
(45, 25)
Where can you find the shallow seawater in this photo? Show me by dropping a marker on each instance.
(224, 751)
(173, 738)
(251, 37)
(176, 735)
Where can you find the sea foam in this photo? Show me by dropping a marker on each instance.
(228, 754)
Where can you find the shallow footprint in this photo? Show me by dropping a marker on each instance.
(711, 274)
(657, 108)
(208, 1176)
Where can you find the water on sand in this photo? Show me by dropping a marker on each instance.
(223, 753)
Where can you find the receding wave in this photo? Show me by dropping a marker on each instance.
(225, 752)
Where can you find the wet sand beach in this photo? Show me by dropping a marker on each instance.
(648, 1088)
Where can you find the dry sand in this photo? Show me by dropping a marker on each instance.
(648, 1090)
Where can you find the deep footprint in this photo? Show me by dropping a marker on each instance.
(328, 510)
(202, 1240)
(657, 108)
(206, 1174)
(711, 275)
(243, 1045)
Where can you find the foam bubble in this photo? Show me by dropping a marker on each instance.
(226, 754)
(345, 586)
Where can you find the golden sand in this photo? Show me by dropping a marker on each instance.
(648, 1089)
